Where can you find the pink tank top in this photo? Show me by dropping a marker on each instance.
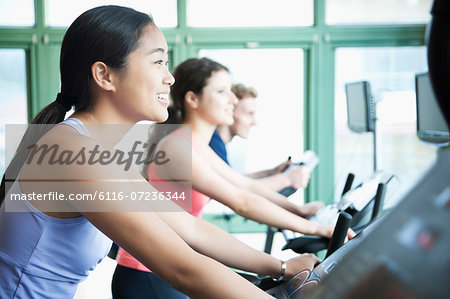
(199, 200)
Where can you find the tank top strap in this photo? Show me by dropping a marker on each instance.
(195, 144)
(77, 125)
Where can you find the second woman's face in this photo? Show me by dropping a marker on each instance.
(217, 101)
(143, 86)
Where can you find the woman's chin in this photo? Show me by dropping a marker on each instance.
(160, 117)
(228, 121)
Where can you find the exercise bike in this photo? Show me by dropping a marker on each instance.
(364, 203)
(402, 255)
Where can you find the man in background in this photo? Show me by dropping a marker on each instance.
(244, 118)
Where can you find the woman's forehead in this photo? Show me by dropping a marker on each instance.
(219, 77)
(153, 40)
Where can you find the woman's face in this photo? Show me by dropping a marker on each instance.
(217, 101)
(143, 86)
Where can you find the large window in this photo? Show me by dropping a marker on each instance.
(13, 94)
(63, 13)
(17, 13)
(390, 72)
(280, 104)
(345, 12)
(249, 13)
(278, 133)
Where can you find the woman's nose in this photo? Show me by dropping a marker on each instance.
(234, 99)
(169, 79)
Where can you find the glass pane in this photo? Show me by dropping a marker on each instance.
(13, 94)
(249, 13)
(391, 74)
(63, 13)
(278, 132)
(17, 13)
(377, 11)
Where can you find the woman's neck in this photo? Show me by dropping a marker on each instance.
(225, 133)
(202, 131)
(108, 131)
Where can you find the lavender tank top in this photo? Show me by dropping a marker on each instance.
(43, 256)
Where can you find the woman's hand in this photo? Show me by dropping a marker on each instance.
(298, 176)
(282, 167)
(350, 234)
(327, 231)
(310, 208)
(300, 263)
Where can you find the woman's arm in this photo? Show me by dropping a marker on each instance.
(256, 187)
(151, 241)
(272, 171)
(279, 178)
(296, 177)
(265, 188)
(221, 246)
(255, 207)
(209, 181)
(143, 234)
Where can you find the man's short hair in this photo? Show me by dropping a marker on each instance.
(241, 91)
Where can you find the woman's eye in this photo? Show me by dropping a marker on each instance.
(161, 62)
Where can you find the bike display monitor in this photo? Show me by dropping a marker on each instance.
(431, 126)
(360, 111)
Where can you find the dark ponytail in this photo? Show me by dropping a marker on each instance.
(176, 115)
(50, 115)
(107, 34)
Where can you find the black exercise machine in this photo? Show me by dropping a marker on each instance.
(364, 203)
(406, 254)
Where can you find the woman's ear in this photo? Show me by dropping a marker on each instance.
(103, 76)
(191, 100)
